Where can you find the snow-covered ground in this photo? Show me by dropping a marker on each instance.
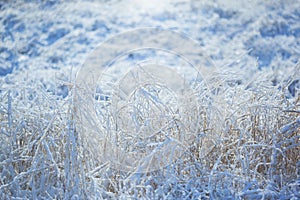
(254, 114)
(53, 36)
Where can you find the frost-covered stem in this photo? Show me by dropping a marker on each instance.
(9, 119)
(210, 181)
(67, 166)
(273, 158)
(11, 133)
(71, 163)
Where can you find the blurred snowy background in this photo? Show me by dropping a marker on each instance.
(44, 40)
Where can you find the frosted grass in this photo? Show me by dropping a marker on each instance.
(249, 116)
(255, 153)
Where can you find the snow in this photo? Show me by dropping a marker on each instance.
(247, 108)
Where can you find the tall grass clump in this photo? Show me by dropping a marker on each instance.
(245, 144)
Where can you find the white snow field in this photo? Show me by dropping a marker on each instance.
(120, 99)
